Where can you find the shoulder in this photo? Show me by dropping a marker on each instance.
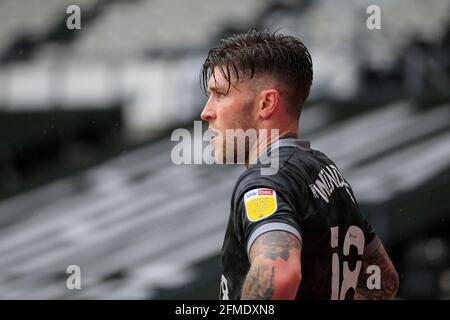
(286, 177)
(254, 177)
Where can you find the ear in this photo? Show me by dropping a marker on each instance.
(268, 102)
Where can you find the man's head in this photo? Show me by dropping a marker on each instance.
(257, 80)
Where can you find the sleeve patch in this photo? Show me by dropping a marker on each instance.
(260, 203)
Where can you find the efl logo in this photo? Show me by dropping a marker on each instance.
(265, 192)
(260, 204)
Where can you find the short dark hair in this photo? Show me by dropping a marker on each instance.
(282, 56)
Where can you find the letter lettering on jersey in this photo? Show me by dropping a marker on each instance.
(328, 179)
(373, 281)
(334, 239)
(323, 177)
(320, 188)
(354, 237)
(265, 192)
(334, 177)
(250, 194)
(224, 288)
(260, 203)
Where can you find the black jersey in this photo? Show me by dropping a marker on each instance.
(309, 198)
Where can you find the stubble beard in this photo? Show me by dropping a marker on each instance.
(236, 144)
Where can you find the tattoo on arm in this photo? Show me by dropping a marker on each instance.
(268, 247)
(259, 283)
(389, 278)
(274, 244)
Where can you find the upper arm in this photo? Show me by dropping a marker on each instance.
(267, 226)
(275, 271)
(388, 277)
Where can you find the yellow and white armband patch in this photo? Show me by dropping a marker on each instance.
(260, 203)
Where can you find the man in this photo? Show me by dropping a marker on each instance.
(299, 233)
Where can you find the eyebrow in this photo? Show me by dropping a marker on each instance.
(214, 89)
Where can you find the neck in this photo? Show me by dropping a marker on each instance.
(264, 141)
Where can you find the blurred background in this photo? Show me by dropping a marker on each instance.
(86, 118)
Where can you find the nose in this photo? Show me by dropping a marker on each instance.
(208, 113)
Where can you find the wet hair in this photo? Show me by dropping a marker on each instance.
(282, 57)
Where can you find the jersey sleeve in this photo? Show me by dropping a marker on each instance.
(261, 209)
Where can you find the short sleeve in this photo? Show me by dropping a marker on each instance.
(262, 209)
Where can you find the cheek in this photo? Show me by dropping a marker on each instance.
(234, 114)
(246, 115)
(227, 116)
